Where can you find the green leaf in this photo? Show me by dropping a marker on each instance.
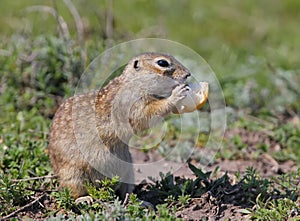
(199, 173)
(245, 211)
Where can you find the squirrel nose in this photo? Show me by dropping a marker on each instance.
(187, 75)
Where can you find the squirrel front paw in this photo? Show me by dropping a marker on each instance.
(178, 93)
(84, 199)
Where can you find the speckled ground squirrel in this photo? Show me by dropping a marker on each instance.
(90, 132)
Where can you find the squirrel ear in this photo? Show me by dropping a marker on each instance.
(135, 64)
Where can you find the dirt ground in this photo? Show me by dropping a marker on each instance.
(228, 202)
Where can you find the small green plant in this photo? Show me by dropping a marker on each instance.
(237, 141)
(276, 198)
(184, 198)
(63, 198)
(165, 213)
(288, 136)
(170, 190)
(203, 183)
(253, 185)
(288, 184)
(12, 194)
(170, 199)
(280, 209)
(135, 208)
(105, 191)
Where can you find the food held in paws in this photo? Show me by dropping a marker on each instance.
(196, 97)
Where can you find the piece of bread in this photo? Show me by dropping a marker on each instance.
(195, 99)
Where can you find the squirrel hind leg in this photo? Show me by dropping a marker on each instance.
(75, 181)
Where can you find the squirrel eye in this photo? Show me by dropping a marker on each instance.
(163, 63)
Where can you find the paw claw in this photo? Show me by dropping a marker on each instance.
(146, 204)
(84, 199)
(179, 93)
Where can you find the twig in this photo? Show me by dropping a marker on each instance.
(109, 20)
(77, 19)
(268, 125)
(23, 207)
(34, 178)
(64, 31)
(41, 190)
(79, 26)
(126, 199)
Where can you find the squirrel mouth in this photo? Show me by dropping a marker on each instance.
(182, 79)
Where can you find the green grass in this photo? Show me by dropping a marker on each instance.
(253, 47)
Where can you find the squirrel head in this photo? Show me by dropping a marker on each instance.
(158, 63)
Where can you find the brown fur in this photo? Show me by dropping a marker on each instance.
(89, 130)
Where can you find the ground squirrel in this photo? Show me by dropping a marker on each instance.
(90, 133)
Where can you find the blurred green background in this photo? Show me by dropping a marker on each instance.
(241, 40)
